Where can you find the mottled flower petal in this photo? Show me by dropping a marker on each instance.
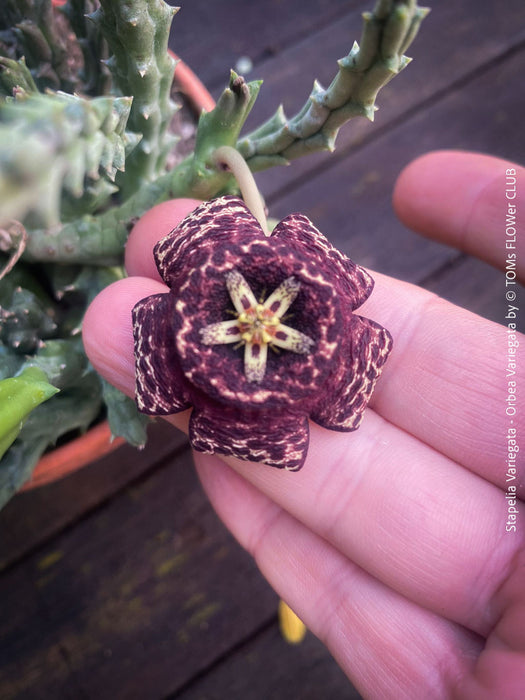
(212, 223)
(255, 355)
(219, 370)
(298, 232)
(221, 333)
(292, 339)
(277, 439)
(366, 346)
(283, 297)
(160, 386)
(240, 292)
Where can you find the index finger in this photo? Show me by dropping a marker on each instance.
(470, 201)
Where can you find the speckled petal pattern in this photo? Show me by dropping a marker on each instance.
(214, 223)
(218, 370)
(159, 381)
(366, 346)
(278, 440)
(298, 233)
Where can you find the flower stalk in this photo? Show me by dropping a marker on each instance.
(235, 163)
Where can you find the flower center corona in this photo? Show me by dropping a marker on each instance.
(258, 324)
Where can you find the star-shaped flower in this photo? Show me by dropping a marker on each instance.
(234, 295)
(258, 325)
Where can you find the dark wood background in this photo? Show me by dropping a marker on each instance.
(119, 581)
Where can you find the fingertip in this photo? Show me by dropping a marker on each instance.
(150, 228)
(107, 329)
(457, 198)
(418, 197)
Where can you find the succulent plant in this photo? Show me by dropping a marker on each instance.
(85, 114)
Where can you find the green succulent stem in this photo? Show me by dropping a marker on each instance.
(137, 34)
(86, 141)
(94, 75)
(33, 32)
(387, 33)
(15, 77)
(100, 239)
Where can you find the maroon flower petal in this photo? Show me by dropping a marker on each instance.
(211, 224)
(366, 346)
(277, 439)
(160, 386)
(298, 232)
(219, 369)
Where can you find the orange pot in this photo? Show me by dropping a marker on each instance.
(97, 441)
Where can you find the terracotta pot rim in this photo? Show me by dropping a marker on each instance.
(97, 441)
(191, 86)
(77, 453)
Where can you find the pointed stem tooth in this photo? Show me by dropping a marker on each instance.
(240, 292)
(255, 356)
(293, 340)
(283, 297)
(221, 333)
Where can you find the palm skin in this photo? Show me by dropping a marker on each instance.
(391, 543)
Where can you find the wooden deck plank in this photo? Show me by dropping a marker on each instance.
(351, 201)
(23, 625)
(138, 597)
(449, 49)
(233, 30)
(475, 285)
(268, 667)
(34, 516)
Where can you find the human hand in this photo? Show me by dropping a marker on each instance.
(392, 543)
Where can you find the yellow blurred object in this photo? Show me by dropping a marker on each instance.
(292, 628)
